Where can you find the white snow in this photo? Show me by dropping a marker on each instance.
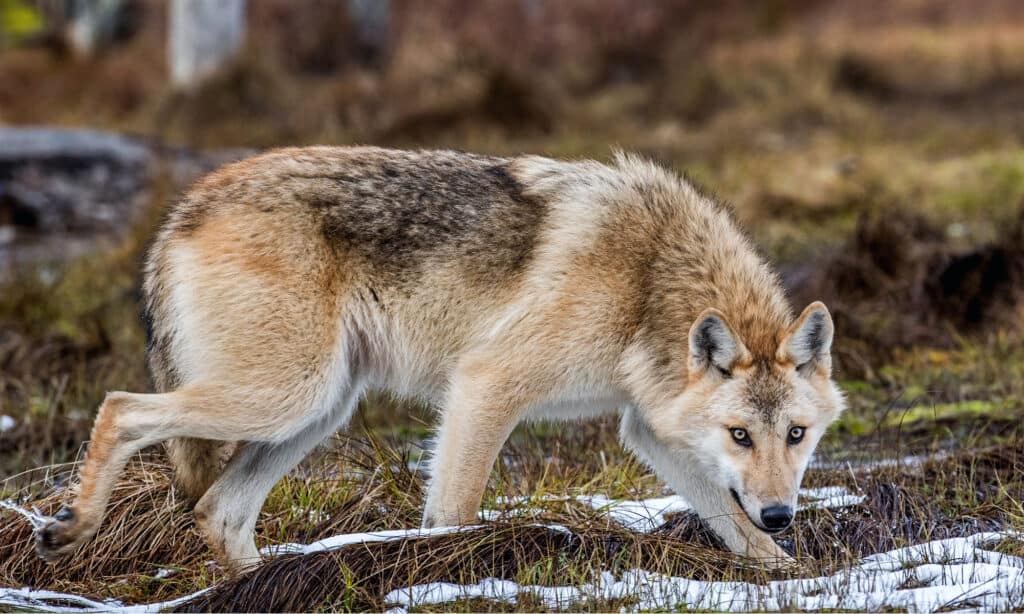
(311, 515)
(646, 515)
(953, 572)
(832, 497)
(34, 517)
(338, 541)
(956, 572)
(6, 423)
(907, 462)
(26, 599)
(643, 515)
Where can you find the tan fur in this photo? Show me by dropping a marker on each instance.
(197, 463)
(284, 286)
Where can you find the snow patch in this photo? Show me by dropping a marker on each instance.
(646, 515)
(339, 541)
(913, 461)
(311, 515)
(26, 599)
(34, 517)
(7, 423)
(966, 576)
(831, 497)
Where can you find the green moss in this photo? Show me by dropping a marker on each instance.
(19, 20)
(914, 391)
(985, 184)
(851, 423)
(953, 412)
(854, 387)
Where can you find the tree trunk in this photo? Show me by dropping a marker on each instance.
(372, 21)
(92, 24)
(203, 36)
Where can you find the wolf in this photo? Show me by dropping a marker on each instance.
(281, 288)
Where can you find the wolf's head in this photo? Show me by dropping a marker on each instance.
(752, 422)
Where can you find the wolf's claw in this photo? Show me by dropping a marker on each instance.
(58, 536)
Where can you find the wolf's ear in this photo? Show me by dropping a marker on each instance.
(713, 344)
(808, 341)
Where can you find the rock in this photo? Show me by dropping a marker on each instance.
(55, 180)
(21, 145)
(64, 192)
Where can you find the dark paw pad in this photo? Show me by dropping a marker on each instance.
(47, 539)
(65, 514)
(53, 538)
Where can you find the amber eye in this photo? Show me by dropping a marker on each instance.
(796, 434)
(741, 437)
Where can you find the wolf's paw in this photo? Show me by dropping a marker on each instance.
(60, 536)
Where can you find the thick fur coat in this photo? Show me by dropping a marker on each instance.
(283, 287)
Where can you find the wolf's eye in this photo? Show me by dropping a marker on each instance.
(796, 434)
(741, 437)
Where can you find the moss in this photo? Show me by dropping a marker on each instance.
(850, 424)
(854, 387)
(955, 412)
(982, 186)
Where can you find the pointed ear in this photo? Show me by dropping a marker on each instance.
(713, 344)
(808, 341)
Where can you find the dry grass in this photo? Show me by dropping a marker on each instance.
(873, 150)
(148, 529)
(900, 282)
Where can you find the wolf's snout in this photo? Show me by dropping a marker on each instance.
(777, 517)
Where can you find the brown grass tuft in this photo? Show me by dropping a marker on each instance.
(359, 576)
(369, 486)
(900, 283)
(146, 527)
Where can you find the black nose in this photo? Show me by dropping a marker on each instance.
(777, 517)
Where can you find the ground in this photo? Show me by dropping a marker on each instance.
(876, 162)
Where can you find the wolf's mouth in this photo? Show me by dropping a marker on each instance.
(736, 498)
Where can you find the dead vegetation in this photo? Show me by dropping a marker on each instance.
(148, 529)
(458, 72)
(900, 282)
(873, 150)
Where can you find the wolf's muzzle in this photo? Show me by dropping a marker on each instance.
(776, 517)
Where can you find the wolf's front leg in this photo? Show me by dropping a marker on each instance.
(483, 407)
(712, 503)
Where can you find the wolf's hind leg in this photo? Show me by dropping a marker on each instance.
(197, 463)
(227, 513)
(111, 444)
(127, 423)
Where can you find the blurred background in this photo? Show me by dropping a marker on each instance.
(872, 150)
